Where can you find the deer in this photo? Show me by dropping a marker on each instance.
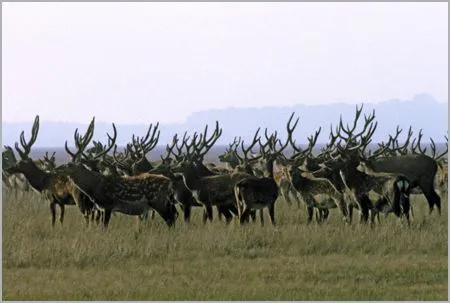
(393, 192)
(133, 195)
(419, 169)
(257, 193)
(310, 186)
(17, 182)
(53, 185)
(208, 190)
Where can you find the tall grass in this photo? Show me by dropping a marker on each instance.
(291, 261)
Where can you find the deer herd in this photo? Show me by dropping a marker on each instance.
(344, 174)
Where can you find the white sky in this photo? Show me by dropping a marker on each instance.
(144, 62)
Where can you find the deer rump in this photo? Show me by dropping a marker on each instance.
(395, 196)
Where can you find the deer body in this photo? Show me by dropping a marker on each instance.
(128, 195)
(420, 170)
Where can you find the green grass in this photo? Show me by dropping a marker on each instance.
(291, 261)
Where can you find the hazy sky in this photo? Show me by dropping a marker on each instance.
(144, 62)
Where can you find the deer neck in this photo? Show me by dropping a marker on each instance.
(87, 181)
(191, 179)
(38, 178)
(269, 168)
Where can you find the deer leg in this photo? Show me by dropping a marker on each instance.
(219, 213)
(285, 189)
(296, 198)
(433, 199)
(310, 212)
(350, 213)
(271, 213)
(107, 218)
(153, 214)
(244, 217)
(61, 216)
(227, 214)
(53, 211)
(318, 215)
(326, 213)
(207, 213)
(252, 214)
(100, 216)
(261, 216)
(364, 201)
(187, 213)
(342, 205)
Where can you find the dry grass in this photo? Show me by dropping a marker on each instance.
(291, 261)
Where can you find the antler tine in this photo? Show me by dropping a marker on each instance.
(111, 143)
(179, 148)
(234, 145)
(150, 145)
(433, 147)
(116, 158)
(348, 131)
(81, 141)
(188, 146)
(169, 149)
(135, 143)
(204, 144)
(313, 139)
(290, 129)
(403, 149)
(72, 155)
(84, 141)
(418, 146)
(367, 139)
(368, 121)
(27, 146)
(251, 145)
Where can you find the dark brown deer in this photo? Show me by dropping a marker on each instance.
(257, 193)
(210, 190)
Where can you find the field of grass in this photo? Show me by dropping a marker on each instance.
(291, 261)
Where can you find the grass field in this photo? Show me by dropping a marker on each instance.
(291, 261)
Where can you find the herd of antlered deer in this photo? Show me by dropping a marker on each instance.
(101, 180)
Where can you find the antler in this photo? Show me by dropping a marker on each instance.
(433, 149)
(204, 145)
(50, 159)
(111, 144)
(416, 146)
(148, 143)
(245, 151)
(27, 146)
(403, 149)
(81, 141)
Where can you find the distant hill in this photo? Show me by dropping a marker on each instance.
(423, 111)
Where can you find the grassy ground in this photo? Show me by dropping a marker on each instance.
(291, 261)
